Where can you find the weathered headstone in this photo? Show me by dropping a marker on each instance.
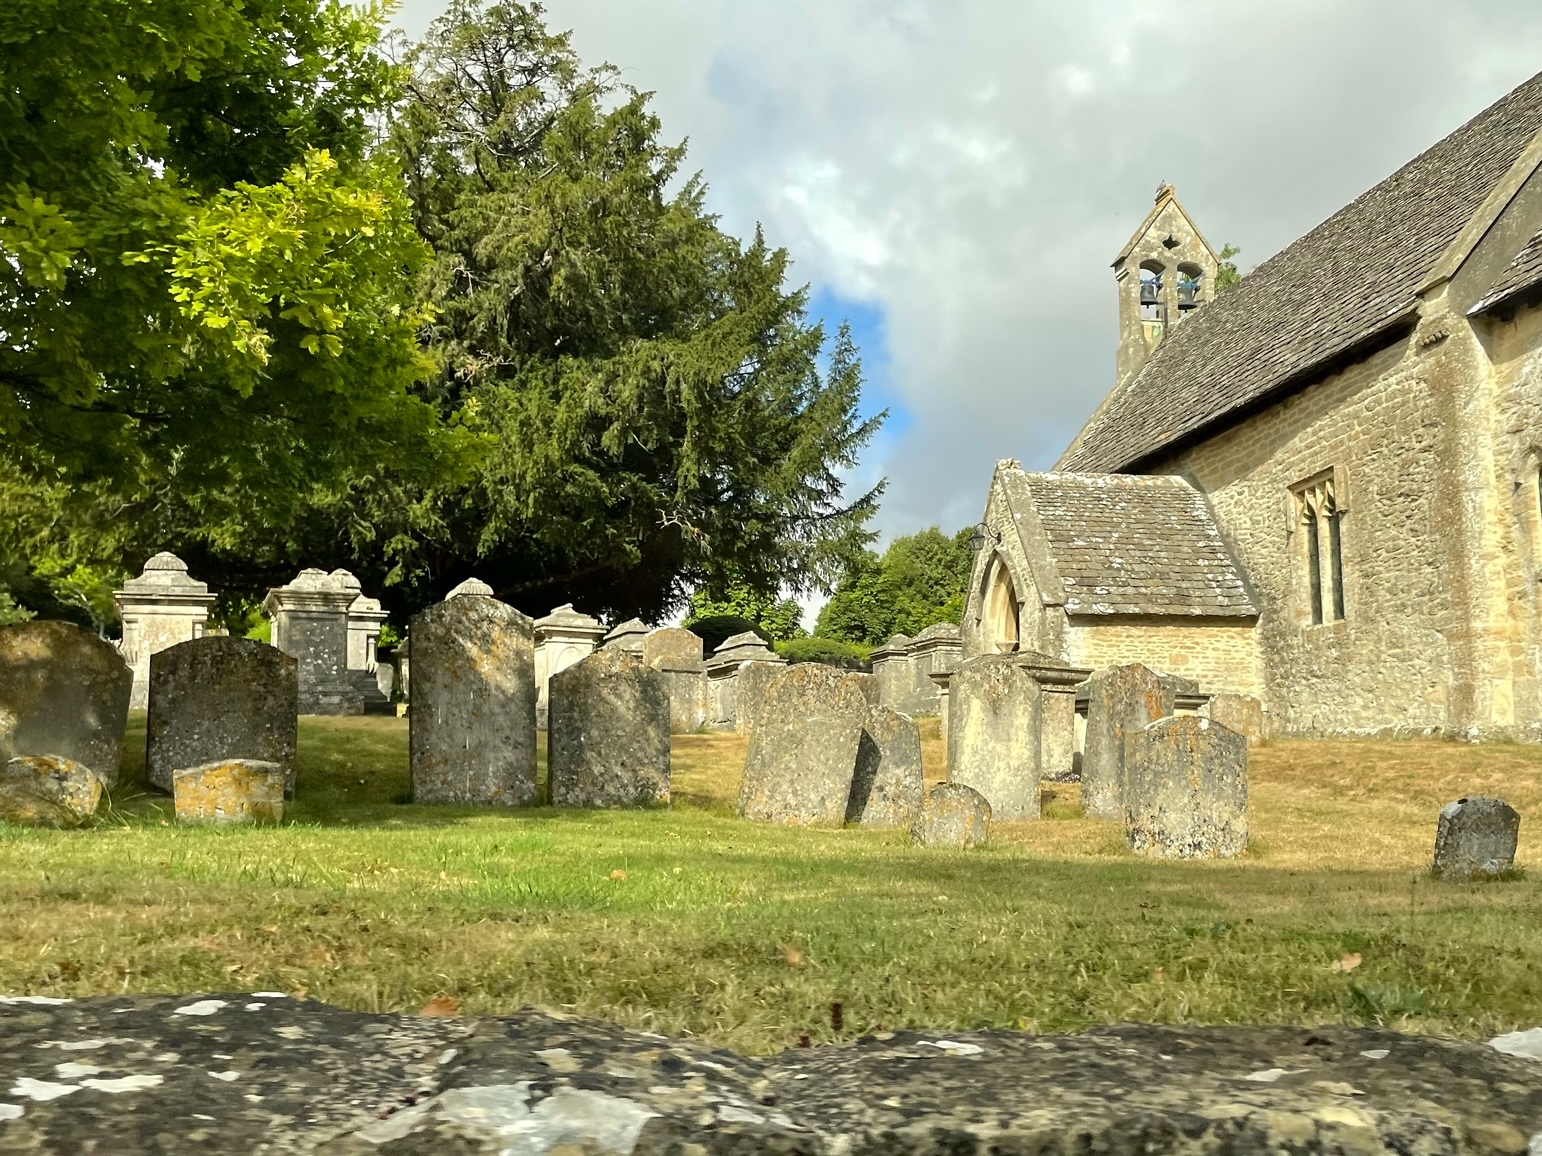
(887, 788)
(608, 732)
(64, 692)
(1476, 837)
(1239, 712)
(1121, 701)
(1186, 789)
(750, 685)
(217, 698)
(936, 650)
(993, 734)
(160, 608)
(676, 654)
(868, 685)
(953, 815)
(47, 791)
(893, 670)
(229, 791)
(472, 724)
(803, 749)
(310, 623)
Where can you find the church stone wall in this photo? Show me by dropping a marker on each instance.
(1383, 427)
(1220, 656)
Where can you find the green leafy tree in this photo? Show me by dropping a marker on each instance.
(651, 393)
(919, 581)
(205, 295)
(1226, 274)
(777, 619)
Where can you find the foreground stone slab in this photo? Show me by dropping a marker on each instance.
(888, 786)
(241, 1073)
(1186, 789)
(64, 692)
(1476, 838)
(953, 815)
(803, 750)
(230, 791)
(47, 791)
(472, 722)
(221, 698)
(608, 727)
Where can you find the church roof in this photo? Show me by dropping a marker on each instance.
(1351, 280)
(1518, 276)
(1135, 544)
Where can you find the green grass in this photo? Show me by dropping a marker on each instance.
(687, 920)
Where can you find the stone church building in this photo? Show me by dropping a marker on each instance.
(1320, 486)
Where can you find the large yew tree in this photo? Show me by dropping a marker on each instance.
(658, 411)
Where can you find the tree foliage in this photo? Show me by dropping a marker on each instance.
(205, 314)
(652, 395)
(919, 581)
(776, 619)
(1226, 274)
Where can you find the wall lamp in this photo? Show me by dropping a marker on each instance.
(982, 534)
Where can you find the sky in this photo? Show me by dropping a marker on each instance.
(954, 178)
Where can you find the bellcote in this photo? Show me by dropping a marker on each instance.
(1165, 272)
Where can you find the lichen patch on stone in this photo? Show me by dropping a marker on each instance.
(203, 1007)
(41, 1090)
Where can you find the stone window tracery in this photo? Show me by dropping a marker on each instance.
(1319, 513)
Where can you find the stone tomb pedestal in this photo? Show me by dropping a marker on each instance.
(214, 699)
(609, 732)
(472, 723)
(160, 608)
(310, 624)
(63, 692)
(562, 638)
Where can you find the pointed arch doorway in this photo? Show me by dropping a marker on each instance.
(999, 625)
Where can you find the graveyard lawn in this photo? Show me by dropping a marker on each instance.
(688, 920)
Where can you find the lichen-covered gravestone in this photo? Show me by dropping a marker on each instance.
(887, 788)
(230, 791)
(220, 698)
(803, 749)
(47, 791)
(63, 692)
(1121, 700)
(608, 729)
(1476, 837)
(472, 721)
(993, 734)
(676, 654)
(1186, 789)
(1242, 713)
(750, 691)
(953, 815)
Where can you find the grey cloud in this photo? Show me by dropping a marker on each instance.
(973, 168)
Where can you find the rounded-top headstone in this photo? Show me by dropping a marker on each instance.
(1186, 789)
(953, 815)
(64, 692)
(217, 698)
(1476, 838)
(671, 646)
(471, 586)
(608, 730)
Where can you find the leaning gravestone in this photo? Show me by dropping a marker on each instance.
(608, 730)
(953, 815)
(750, 691)
(1476, 837)
(47, 791)
(1186, 789)
(220, 698)
(887, 788)
(1121, 701)
(230, 791)
(803, 749)
(63, 692)
(993, 734)
(472, 723)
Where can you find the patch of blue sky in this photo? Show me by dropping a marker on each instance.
(870, 332)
